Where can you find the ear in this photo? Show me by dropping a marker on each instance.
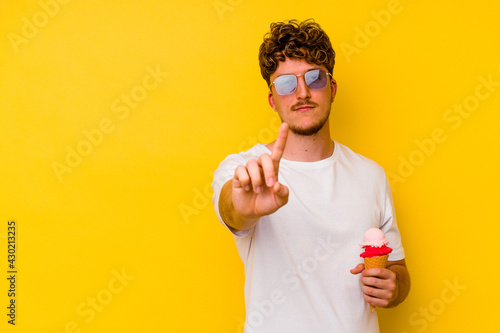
(270, 98)
(334, 88)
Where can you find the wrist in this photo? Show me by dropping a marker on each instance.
(401, 283)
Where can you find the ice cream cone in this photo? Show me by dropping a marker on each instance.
(377, 261)
(373, 262)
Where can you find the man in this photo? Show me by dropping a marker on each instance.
(298, 207)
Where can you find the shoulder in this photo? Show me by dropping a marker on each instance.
(229, 164)
(254, 152)
(356, 161)
(244, 156)
(225, 170)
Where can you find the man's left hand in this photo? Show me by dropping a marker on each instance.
(378, 285)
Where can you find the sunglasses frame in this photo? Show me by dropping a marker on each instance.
(297, 81)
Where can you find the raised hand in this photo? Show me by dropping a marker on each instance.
(256, 191)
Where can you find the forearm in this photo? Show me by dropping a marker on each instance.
(402, 282)
(229, 214)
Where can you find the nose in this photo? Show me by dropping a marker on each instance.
(302, 91)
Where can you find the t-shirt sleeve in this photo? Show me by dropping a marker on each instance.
(390, 228)
(222, 175)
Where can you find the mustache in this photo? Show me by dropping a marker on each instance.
(304, 103)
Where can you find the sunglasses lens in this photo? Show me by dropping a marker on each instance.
(316, 79)
(285, 84)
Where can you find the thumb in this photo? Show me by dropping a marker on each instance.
(358, 269)
(281, 192)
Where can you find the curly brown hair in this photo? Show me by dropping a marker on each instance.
(296, 40)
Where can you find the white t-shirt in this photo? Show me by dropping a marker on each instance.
(297, 260)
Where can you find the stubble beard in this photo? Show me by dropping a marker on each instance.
(311, 130)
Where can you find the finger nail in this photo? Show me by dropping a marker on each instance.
(257, 189)
(247, 188)
(270, 181)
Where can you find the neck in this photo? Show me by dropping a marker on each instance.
(308, 148)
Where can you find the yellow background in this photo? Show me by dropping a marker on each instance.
(140, 202)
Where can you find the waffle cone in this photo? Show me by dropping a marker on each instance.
(376, 262)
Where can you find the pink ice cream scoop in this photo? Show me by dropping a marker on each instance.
(374, 243)
(374, 237)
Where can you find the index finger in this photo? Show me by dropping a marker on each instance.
(378, 272)
(279, 145)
